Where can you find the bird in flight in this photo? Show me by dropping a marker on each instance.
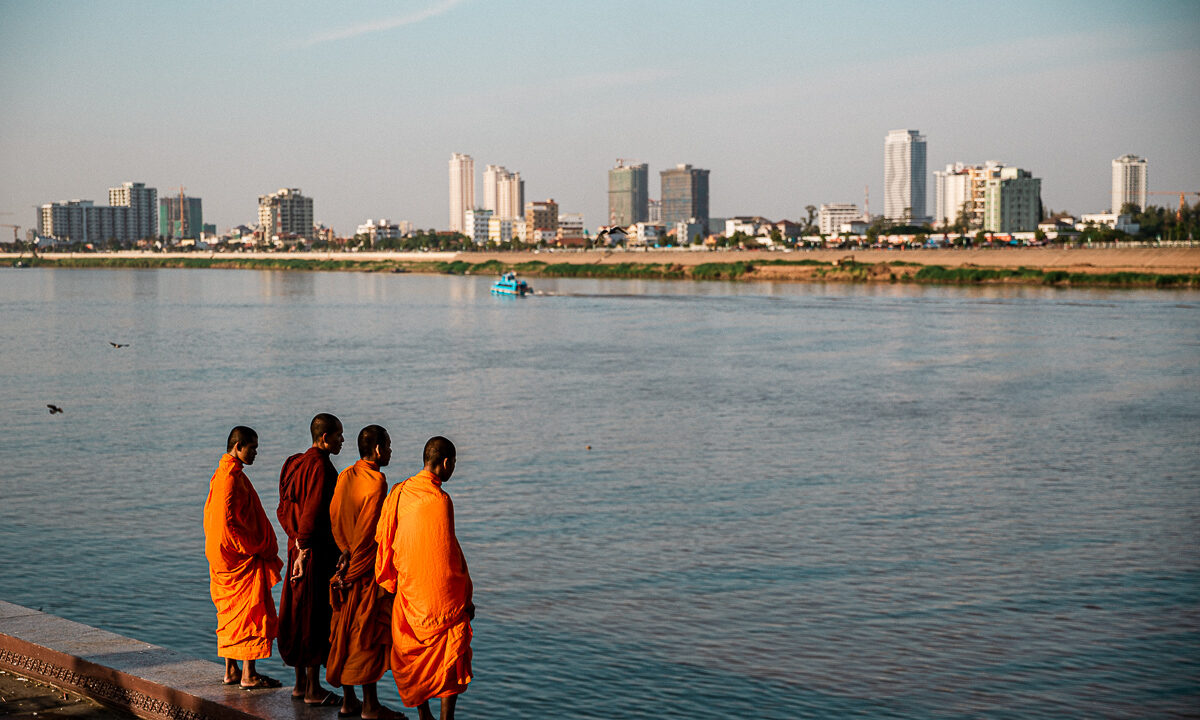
(54, 409)
(118, 345)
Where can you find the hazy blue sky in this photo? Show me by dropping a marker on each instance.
(787, 103)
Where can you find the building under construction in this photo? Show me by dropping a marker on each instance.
(180, 217)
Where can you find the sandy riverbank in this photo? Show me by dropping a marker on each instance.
(1092, 260)
(1114, 267)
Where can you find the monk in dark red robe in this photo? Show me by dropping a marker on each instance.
(243, 563)
(419, 559)
(362, 611)
(306, 486)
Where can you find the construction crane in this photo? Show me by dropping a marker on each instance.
(183, 233)
(1181, 193)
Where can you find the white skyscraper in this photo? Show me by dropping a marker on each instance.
(462, 189)
(503, 192)
(491, 175)
(1128, 182)
(904, 177)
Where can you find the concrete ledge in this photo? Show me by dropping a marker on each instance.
(132, 676)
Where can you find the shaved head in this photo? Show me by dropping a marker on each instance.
(438, 449)
(369, 438)
(324, 424)
(240, 435)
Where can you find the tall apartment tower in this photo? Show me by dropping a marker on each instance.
(904, 177)
(286, 213)
(684, 195)
(628, 194)
(462, 189)
(1128, 182)
(143, 207)
(503, 192)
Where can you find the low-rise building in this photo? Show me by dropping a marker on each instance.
(831, 217)
(689, 232)
(382, 229)
(541, 221)
(1116, 221)
(500, 230)
(476, 224)
(751, 225)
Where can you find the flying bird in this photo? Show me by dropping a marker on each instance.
(118, 345)
(54, 409)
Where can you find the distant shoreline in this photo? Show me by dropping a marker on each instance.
(1162, 267)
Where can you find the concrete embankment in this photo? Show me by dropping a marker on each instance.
(129, 676)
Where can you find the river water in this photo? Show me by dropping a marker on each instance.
(799, 500)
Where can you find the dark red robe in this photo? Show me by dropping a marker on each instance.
(306, 486)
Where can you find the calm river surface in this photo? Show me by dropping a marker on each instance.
(800, 500)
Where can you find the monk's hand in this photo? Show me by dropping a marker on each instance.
(343, 563)
(298, 566)
(471, 610)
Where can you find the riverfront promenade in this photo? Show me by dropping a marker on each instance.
(128, 676)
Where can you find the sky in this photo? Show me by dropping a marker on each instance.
(787, 103)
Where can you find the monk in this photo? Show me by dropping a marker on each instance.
(419, 559)
(243, 563)
(360, 636)
(306, 485)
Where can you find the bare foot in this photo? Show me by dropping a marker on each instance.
(233, 673)
(383, 713)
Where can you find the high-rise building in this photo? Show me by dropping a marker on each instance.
(1013, 201)
(1128, 182)
(491, 176)
(462, 189)
(628, 194)
(510, 196)
(82, 221)
(178, 224)
(286, 214)
(684, 195)
(503, 192)
(904, 177)
(143, 207)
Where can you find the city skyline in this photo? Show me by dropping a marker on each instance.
(1061, 89)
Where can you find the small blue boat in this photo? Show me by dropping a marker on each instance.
(508, 284)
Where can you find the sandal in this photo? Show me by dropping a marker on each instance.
(262, 682)
(331, 699)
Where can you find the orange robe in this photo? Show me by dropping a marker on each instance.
(243, 564)
(419, 559)
(359, 636)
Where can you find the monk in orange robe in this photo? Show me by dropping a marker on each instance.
(419, 559)
(243, 564)
(360, 634)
